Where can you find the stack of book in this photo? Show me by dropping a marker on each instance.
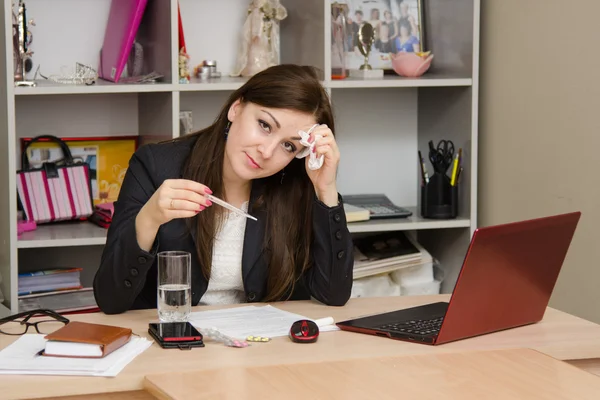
(55, 289)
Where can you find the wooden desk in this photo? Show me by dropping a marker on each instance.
(491, 375)
(559, 335)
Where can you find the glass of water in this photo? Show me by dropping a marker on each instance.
(174, 286)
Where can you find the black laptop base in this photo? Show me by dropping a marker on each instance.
(419, 324)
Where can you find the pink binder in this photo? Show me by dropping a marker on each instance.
(122, 26)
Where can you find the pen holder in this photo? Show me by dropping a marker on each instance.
(439, 199)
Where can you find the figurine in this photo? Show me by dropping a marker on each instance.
(22, 39)
(184, 69)
(259, 48)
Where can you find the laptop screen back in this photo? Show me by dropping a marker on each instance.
(508, 276)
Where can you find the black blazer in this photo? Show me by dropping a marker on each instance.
(127, 276)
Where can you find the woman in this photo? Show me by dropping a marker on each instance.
(299, 247)
(384, 44)
(392, 24)
(406, 41)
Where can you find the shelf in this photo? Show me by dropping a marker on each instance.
(101, 86)
(233, 83)
(394, 81)
(64, 234)
(87, 234)
(413, 222)
(224, 83)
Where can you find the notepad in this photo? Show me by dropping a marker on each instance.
(82, 339)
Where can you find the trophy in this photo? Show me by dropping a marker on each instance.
(364, 42)
(21, 41)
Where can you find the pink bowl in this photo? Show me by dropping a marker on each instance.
(410, 64)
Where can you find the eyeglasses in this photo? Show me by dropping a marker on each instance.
(19, 324)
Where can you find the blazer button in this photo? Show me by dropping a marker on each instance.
(251, 296)
(127, 283)
(133, 271)
(338, 235)
(340, 254)
(142, 260)
(336, 217)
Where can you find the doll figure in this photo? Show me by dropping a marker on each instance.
(184, 68)
(259, 48)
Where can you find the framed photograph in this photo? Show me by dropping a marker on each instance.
(398, 27)
(108, 158)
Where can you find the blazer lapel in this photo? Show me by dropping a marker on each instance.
(254, 234)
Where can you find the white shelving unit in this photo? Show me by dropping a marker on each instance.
(380, 124)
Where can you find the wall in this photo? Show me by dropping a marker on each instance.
(539, 129)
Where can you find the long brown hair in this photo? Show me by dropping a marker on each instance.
(287, 197)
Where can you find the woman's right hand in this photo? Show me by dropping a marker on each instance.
(175, 198)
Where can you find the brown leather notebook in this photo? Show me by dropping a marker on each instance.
(83, 339)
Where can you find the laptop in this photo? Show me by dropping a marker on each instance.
(507, 277)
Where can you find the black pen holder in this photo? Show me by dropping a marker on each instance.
(439, 199)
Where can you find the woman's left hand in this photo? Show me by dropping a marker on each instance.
(324, 178)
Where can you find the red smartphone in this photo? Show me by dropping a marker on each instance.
(175, 332)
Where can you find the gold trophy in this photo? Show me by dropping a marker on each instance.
(364, 42)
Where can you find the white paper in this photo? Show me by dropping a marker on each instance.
(21, 358)
(241, 322)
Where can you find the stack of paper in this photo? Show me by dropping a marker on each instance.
(61, 301)
(241, 322)
(21, 358)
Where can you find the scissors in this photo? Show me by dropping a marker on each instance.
(442, 155)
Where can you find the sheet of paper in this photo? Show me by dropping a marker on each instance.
(241, 322)
(21, 358)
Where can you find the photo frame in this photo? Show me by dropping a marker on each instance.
(108, 159)
(402, 21)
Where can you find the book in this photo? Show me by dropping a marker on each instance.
(83, 339)
(386, 245)
(49, 280)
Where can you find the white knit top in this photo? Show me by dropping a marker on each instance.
(225, 285)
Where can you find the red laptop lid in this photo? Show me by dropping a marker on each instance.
(508, 276)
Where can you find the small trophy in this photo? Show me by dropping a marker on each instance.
(21, 41)
(364, 42)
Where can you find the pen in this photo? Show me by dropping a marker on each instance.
(424, 175)
(454, 170)
(228, 206)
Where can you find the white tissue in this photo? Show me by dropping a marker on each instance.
(313, 161)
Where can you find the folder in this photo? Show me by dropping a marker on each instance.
(123, 22)
(82, 339)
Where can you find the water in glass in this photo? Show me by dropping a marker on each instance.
(174, 287)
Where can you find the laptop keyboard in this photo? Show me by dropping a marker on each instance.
(417, 327)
